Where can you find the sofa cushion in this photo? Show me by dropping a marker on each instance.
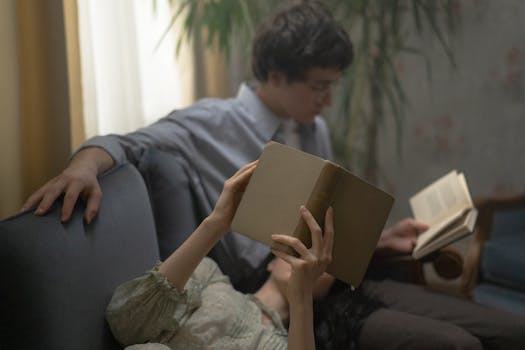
(179, 205)
(507, 222)
(172, 198)
(500, 297)
(58, 278)
(503, 261)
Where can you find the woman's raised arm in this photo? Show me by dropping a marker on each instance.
(181, 263)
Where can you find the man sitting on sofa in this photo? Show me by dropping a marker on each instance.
(298, 55)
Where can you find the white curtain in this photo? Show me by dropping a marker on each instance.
(126, 83)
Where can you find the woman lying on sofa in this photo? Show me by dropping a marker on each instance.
(187, 303)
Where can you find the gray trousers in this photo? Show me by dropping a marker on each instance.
(416, 318)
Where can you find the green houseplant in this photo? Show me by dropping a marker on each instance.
(371, 89)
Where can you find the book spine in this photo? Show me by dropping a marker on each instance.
(318, 202)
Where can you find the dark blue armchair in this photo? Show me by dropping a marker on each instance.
(495, 266)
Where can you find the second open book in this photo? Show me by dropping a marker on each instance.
(446, 207)
(285, 179)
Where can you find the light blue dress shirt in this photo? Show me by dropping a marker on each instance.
(216, 137)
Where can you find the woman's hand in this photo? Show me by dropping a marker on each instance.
(234, 187)
(182, 262)
(311, 263)
(307, 269)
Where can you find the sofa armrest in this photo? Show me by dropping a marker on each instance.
(57, 278)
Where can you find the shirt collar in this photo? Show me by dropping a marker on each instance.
(266, 122)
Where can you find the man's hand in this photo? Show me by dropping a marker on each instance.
(79, 179)
(401, 237)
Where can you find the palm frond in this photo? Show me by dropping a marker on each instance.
(381, 28)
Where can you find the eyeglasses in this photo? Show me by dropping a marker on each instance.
(322, 89)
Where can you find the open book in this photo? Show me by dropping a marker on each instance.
(285, 179)
(447, 208)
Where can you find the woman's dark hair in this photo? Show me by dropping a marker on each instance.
(338, 317)
(297, 38)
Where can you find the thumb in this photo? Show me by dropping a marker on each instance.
(420, 227)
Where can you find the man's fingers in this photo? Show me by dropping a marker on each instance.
(51, 194)
(93, 203)
(328, 238)
(411, 225)
(34, 199)
(420, 227)
(70, 198)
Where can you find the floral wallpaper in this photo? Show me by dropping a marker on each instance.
(470, 117)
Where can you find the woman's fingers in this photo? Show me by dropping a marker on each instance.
(286, 257)
(321, 244)
(315, 260)
(246, 168)
(315, 230)
(328, 238)
(239, 180)
(294, 243)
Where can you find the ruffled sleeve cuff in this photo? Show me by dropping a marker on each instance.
(150, 308)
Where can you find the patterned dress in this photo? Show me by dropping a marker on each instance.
(148, 313)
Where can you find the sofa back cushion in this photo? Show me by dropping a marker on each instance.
(180, 203)
(503, 261)
(175, 208)
(58, 278)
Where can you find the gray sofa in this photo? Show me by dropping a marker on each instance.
(58, 278)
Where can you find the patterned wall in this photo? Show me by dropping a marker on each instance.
(472, 117)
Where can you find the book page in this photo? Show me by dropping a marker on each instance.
(463, 182)
(458, 230)
(438, 229)
(441, 200)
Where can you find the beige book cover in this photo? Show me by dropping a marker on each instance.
(285, 179)
(446, 206)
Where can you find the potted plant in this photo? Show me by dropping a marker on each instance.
(371, 88)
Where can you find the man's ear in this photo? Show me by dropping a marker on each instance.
(276, 78)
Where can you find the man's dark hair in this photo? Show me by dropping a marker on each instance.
(297, 38)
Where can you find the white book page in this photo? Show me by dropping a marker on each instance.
(434, 230)
(463, 182)
(441, 200)
(462, 228)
